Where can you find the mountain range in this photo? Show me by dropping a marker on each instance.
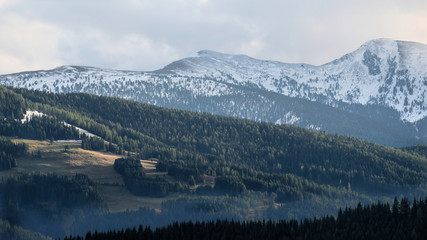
(378, 92)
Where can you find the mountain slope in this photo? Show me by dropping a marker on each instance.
(219, 166)
(212, 143)
(377, 92)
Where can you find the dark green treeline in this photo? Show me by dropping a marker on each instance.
(402, 220)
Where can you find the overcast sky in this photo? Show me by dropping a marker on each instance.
(148, 34)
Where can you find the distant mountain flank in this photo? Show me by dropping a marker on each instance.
(385, 72)
(378, 92)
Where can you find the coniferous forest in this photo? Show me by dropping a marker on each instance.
(226, 146)
(206, 168)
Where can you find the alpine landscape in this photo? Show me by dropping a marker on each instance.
(377, 92)
(214, 145)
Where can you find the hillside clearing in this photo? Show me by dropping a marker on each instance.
(97, 165)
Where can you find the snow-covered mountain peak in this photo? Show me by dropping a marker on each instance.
(382, 72)
(380, 43)
(410, 55)
(225, 57)
(211, 54)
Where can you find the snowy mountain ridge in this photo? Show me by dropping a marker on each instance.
(385, 72)
(382, 84)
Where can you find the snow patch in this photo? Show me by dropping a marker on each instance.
(30, 114)
(288, 118)
(313, 127)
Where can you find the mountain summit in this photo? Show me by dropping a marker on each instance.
(384, 72)
(378, 92)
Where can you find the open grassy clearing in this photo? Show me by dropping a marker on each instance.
(68, 158)
(55, 158)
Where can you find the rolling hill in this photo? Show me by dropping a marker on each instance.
(195, 165)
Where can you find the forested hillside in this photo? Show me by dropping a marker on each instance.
(223, 146)
(206, 166)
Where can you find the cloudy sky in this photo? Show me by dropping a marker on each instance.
(147, 34)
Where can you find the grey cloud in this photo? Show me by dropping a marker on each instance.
(143, 34)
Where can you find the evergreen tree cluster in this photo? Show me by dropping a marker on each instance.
(29, 190)
(98, 144)
(377, 221)
(135, 180)
(129, 167)
(38, 128)
(9, 151)
(421, 150)
(93, 143)
(12, 105)
(236, 180)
